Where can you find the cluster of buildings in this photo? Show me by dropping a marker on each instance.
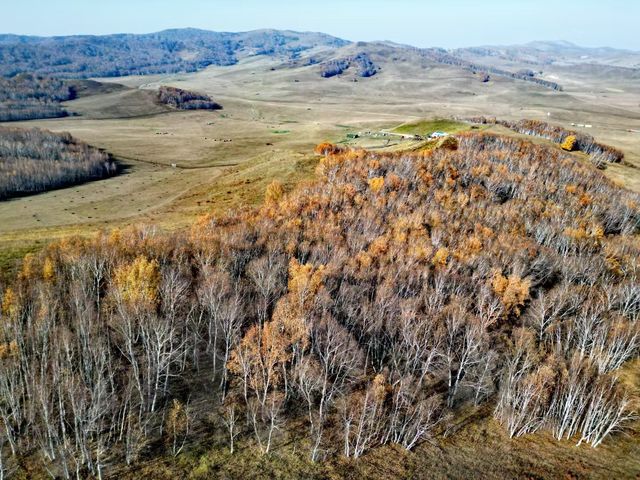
(438, 135)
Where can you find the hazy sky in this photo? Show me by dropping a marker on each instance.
(417, 22)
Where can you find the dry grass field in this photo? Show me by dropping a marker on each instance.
(475, 446)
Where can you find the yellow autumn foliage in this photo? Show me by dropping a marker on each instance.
(376, 184)
(288, 324)
(379, 246)
(513, 291)
(274, 192)
(177, 418)
(593, 233)
(10, 303)
(138, 282)
(364, 260)
(48, 270)
(28, 270)
(441, 257)
(379, 388)
(569, 143)
(8, 349)
(304, 280)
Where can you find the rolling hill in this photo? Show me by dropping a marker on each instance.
(168, 51)
(552, 53)
(189, 50)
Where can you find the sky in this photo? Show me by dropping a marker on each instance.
(422, 23)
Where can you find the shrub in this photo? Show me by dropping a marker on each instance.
(569, 143)
(185, 100)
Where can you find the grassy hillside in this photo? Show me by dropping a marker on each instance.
(427, 127)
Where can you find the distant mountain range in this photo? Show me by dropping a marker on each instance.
(163, 52)
(553, 52)
(188, 50)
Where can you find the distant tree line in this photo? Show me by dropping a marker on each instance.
(162, 52)
(334, 67)
(27, 97)
(362, 64)
(371, 306)
(524, 55)
(185, 100)
(599, 153)
(442, 56)
(34, 160)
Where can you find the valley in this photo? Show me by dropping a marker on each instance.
(328, 269)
